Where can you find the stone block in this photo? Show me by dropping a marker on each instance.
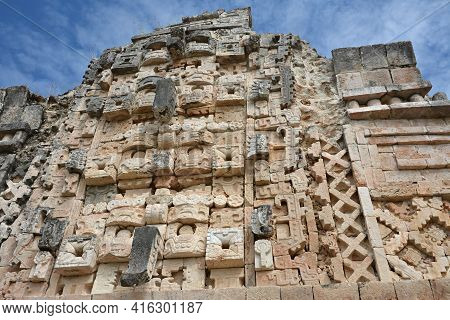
(93, 224)
(231, 90)
(193, 160)
(156, 213)
(263, 293)
(116, 244)
(118, 108)
(12, 135)
(5, 231)
(227, 217)
(376, 78)
(188, 213)
(411, 164)
(32, 115)
(77, 256)
(362, 95)
(25, 251)
(381, 265)
(148, 82)
(74, 297)
(165, 100)
(106, 78)
(34, 219)
(13, 102)
(297, 293)
(153, 41)
(406, 90)
(19, 290)
(43, 267)
(156, 57)
(183, 274)
(107, 277)
(126, 212)
(413, 290)
(93, 69)
(346, 60)
(372, 112)
(98, 194)
(107, 57)
(250, 275)
(197, 100)
(225, 248)
(441, 288)
(261, 173)
(204, 294)
(175, 43)
(263, 255)
(126, 63)
(259, 90)
(400, 54)
(197, 49)
(77, 161)
(94, 106)
(374, 57)
(342, 291)
(261, 221)
(287, 85)
(6, 251)
(185, 240)
(167, 295)
(229, 50)
(249, 239)
(373, 232)
(228, 160)
(230, 294)
(146, 246)
(127, 294)
(375, 290)
(227, 278)
(281, 278)
(162, 162)
(365, 201)
(6, 162)
(257, 147)
(52, 234)
(351, 80)
(406, 75)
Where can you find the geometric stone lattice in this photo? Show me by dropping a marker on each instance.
(415, 236)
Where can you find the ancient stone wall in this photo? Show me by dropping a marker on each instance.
(204, 158)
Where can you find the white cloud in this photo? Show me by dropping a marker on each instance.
(34, 58)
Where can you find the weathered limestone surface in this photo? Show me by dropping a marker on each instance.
(206, 161)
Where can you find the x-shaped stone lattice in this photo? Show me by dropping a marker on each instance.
(353, 245)
(360, 270)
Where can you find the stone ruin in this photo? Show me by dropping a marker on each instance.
(204, 160)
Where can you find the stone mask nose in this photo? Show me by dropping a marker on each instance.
(165, 101)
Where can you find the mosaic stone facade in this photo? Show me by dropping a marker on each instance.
(205, 157)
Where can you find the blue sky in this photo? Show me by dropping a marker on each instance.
(30, 56)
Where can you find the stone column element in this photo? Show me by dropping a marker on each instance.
(165, 100)
(144, 252)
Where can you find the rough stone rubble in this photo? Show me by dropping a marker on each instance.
(204, 156)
